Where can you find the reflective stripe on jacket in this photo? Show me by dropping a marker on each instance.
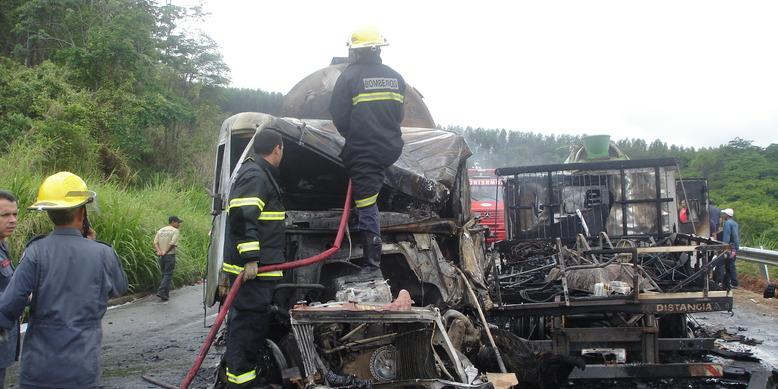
(255, 224)
(367, 109)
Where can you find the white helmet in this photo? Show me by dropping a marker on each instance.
(729, 212)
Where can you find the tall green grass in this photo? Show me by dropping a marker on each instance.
(127, 217)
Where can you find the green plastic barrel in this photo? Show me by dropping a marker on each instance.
(596, 146)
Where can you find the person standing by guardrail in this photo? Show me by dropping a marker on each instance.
(730, 234)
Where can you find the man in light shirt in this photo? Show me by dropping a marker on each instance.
(730, 234)
(165, 243)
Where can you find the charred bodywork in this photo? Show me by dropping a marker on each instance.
(423, 201)
(329, 332)
(595, 266)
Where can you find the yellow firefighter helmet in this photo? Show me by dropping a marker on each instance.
(63, 190)
(367, 36)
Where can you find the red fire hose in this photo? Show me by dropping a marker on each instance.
(238, 282)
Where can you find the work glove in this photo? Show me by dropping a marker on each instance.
(250, 270)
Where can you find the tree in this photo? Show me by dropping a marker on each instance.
(140, 75)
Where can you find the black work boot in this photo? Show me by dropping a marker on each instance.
(371, 246)
(371, 270)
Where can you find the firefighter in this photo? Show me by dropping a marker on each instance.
(66, 278)
(256, 237)
(367, 109)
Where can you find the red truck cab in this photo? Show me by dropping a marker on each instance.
(486, 201)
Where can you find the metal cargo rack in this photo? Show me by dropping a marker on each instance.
(677, 289)
(627, 198)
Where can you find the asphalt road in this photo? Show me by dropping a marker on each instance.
(752, 316)
(154, 338)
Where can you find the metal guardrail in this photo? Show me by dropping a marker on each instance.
(761, 256)
(765, 257)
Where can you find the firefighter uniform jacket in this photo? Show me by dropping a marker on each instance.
(70, 279)
(367, 109)
(256, 219)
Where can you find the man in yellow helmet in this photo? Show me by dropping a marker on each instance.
(367, 109)
(70, 277)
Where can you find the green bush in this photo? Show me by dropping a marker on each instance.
(128, 220)
(38, 102)
(126, 217)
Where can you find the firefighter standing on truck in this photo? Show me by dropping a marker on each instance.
(256, 237)
(66, 278)
(367, 109)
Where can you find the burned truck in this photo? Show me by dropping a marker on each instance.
(596, 266)
(419, 327)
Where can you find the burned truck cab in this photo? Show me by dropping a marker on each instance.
(422, 207)
(425, 195)
(397, 332)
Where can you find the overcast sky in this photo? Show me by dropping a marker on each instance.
(686, 72)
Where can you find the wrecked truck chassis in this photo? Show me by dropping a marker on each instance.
(634, 317)
(562, 283)
(654, 302)
(639, 333)
(413, 259)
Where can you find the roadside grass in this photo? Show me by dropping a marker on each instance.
(129, 218)
(755, 269)
(126, 217)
